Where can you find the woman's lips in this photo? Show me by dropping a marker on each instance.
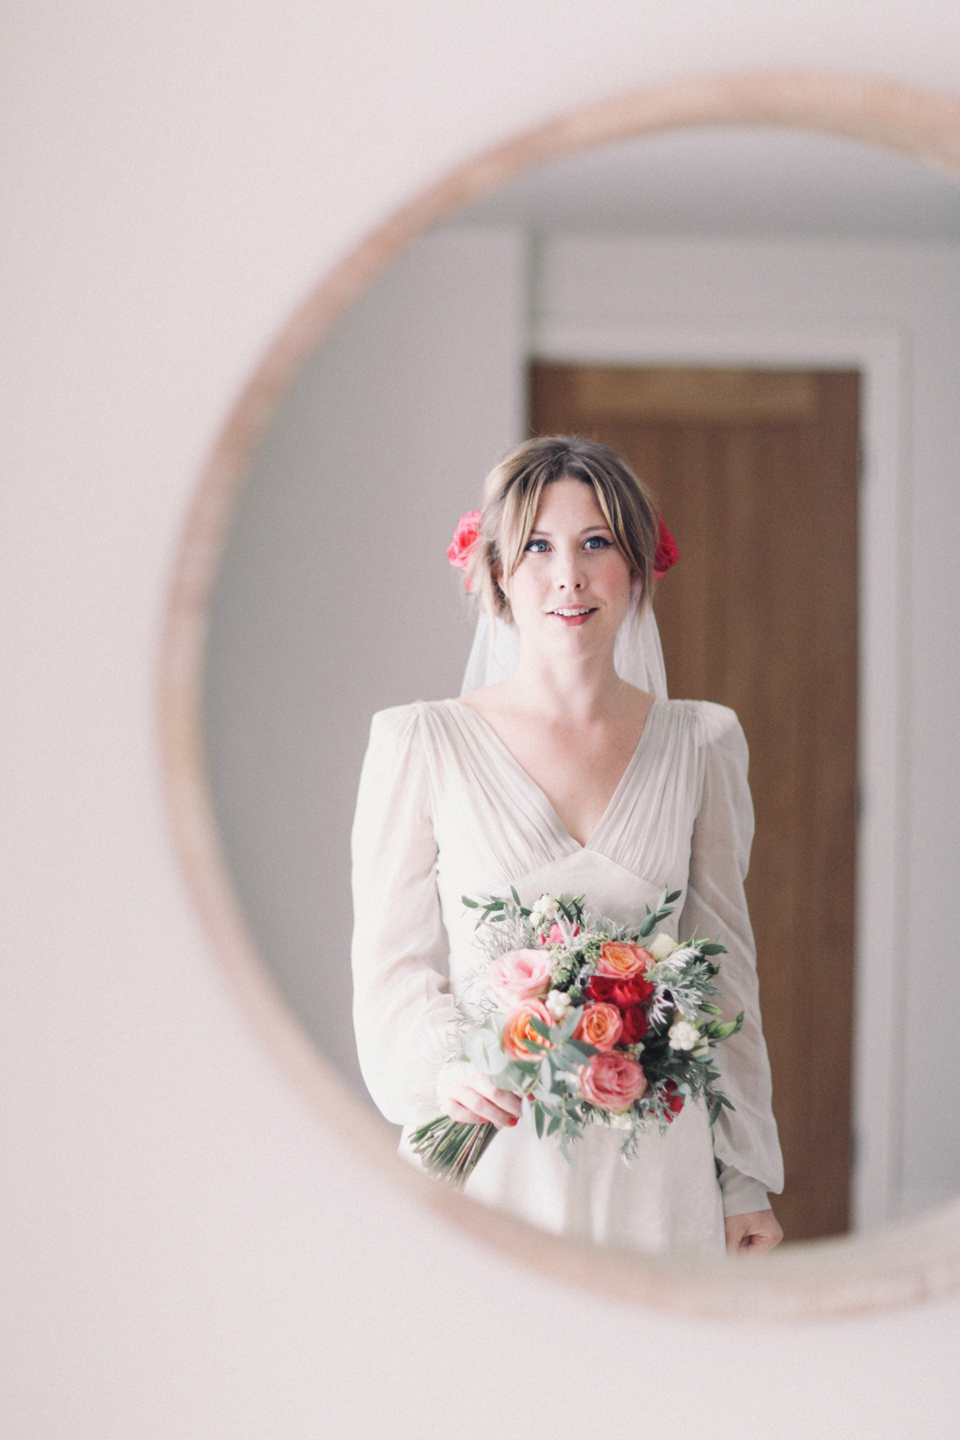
(573, 616)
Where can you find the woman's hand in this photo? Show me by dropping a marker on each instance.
(466, 1094)
(752, 1233)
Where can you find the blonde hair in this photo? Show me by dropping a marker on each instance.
(512, 495)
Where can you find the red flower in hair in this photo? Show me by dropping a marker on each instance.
(667, 553)
(464, 540)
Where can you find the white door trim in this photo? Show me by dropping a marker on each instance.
(881, 357)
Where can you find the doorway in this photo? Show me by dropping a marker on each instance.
(756, 473)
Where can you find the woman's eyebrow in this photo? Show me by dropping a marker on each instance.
(588, 530)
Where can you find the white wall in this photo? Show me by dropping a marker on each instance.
(188, 1251)
(335, 597)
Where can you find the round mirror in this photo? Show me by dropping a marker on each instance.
(762, 320)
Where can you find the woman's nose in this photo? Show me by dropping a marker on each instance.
(569, 574)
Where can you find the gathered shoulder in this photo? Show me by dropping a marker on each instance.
(395, 717)
(399, 727)
(720, 723)
(394, 731)
(715, 723)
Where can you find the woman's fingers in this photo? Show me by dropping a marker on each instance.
(755, 1232)
(505, 1100)
(471, 1097)
(477, 1107)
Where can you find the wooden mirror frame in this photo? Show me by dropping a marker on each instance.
(896, 1265)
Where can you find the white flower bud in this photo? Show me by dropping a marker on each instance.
(683, 1036)
(545, 909)
(661, 945)
(558, 1002)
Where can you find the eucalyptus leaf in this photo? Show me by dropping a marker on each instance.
(571, 1022)
(580, 1049)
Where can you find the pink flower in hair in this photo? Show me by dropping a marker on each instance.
(464, 541)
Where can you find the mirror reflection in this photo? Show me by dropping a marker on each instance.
(685, 299)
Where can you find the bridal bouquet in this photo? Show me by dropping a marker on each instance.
(591, 1022)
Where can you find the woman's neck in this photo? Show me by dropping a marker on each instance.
(578, 691)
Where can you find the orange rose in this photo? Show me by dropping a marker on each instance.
(600, 1025)
(519, 1039)
(620, 959)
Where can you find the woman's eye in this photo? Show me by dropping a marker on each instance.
(536, 547)
(598, 542)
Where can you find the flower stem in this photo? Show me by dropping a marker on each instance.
(451, 1149)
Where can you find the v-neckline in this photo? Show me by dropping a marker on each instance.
(546, 803)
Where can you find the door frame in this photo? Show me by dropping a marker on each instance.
(880, 889)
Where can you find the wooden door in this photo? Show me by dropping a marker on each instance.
(756, 475)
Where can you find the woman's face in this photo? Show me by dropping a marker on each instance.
(571, 591)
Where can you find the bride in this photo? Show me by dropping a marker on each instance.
(562, 777)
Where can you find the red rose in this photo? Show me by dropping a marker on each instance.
(672, 1101)
(625, 994)
(634, 1025)
(667, 553)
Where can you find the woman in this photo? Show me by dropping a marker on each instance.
(562, 777)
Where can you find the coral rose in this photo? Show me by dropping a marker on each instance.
(464, 541)
(600, 1025)
(519, 975)
(519, 1039)
(612, 1081)
(619, 958)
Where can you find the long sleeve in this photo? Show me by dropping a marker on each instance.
(745, 1139)
(403, 1012)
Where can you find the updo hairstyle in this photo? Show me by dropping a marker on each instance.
(511, 499)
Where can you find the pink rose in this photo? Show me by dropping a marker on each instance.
(554, 935)
(620, 958)
(464, 540)
(600, 1025)
(519, 1039)
(519, 975)
(612, 1081)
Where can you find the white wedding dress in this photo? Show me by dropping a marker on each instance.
(444, 811)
